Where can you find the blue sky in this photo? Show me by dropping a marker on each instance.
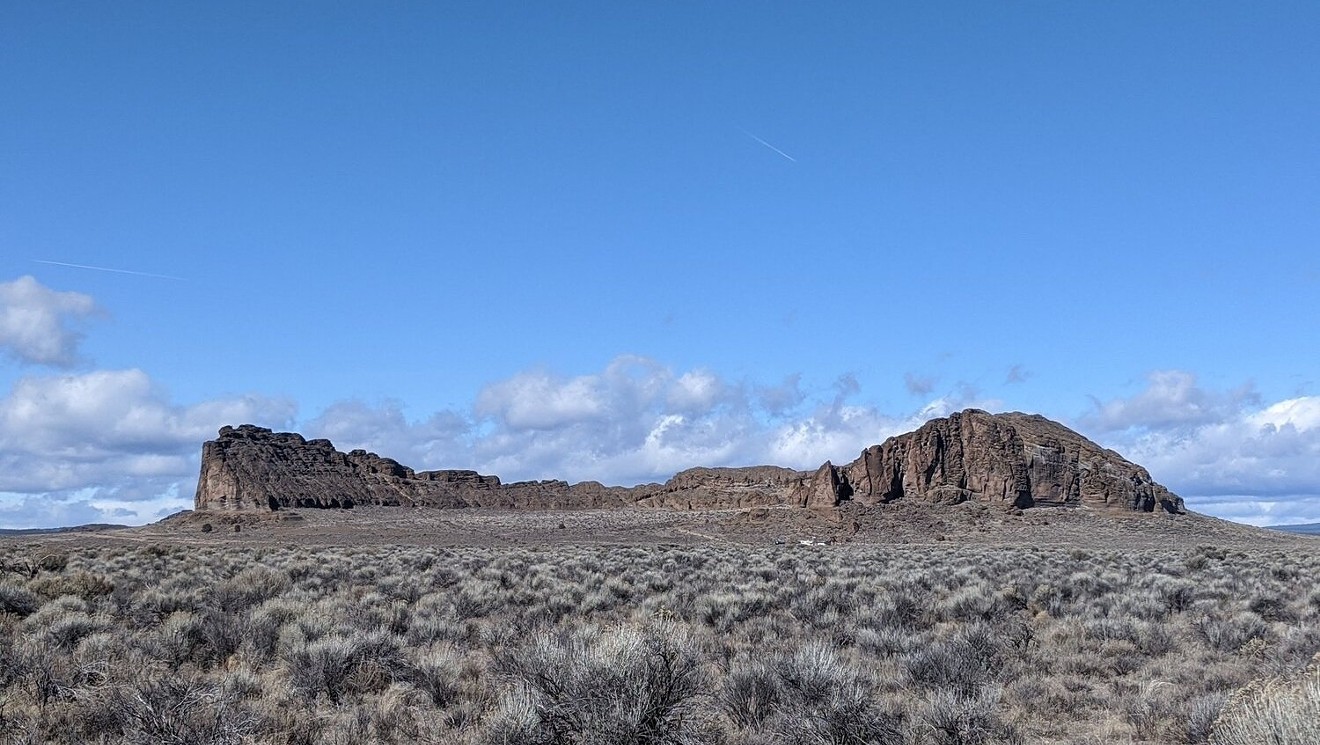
(601, 241)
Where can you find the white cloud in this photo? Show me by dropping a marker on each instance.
(1171, 398)
(105, 439)
(385, 430)
(110, 445)
(1224, 451)
(697, 390)
(104, 413)
(1300, 413)
(1289, 509)
(537, 400)
(635, 421)
(638, 420)
(835, 433)
(34, 322)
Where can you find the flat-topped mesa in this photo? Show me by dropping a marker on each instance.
(1017, 460)
(250, 468)
(1014, 459)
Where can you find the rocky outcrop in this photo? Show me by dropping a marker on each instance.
(1017, 460)
(826, 488)
(252, 468)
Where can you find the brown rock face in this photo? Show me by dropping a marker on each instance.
(827, 487)
(253, 468)
(1013, 459)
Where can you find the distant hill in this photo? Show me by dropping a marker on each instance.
(1305, 528)
(92, 528)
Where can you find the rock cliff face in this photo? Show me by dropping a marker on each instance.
(253, 468)
(1017, 460)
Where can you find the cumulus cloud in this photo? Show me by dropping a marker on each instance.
(35, 322)
(105, 440)
(1171, 398)
(383, 428)
(635, 421)
(1226, 452)
(638, 420)
(111, 445)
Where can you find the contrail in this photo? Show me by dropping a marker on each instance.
(772, 147)
(108, 269)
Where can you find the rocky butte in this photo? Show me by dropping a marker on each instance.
(1014, 460)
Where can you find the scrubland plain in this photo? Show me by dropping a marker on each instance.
(206, 638)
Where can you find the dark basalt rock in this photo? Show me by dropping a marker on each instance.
(253, 468)
(1017, 460)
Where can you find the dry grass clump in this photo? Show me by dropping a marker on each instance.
(661, 644)
(1283, 709)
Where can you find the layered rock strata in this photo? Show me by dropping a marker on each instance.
(1017, 460)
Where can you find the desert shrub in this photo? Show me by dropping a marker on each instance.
(178, 711)
(152, 605)
(974, 603)
(9, 659)
(511, 645)
(1272, 607)
(1229, 634)
(340, 665)
(1176, 596)
(882, 642)
(68, 630)
(626, 685)
(830, 700)
(18, 600)
(953, 718)
(965, 663)
(321, 666)
(814, 672)
(248, 588)
(53, 562)
(220, 635)
(79, 584)
(1199, 717)
(903, 608)
(1281, 710)
(435, 672)
(263, 628)
(177, 640)
(47, 675)
(1147, 710)
(749, 694)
